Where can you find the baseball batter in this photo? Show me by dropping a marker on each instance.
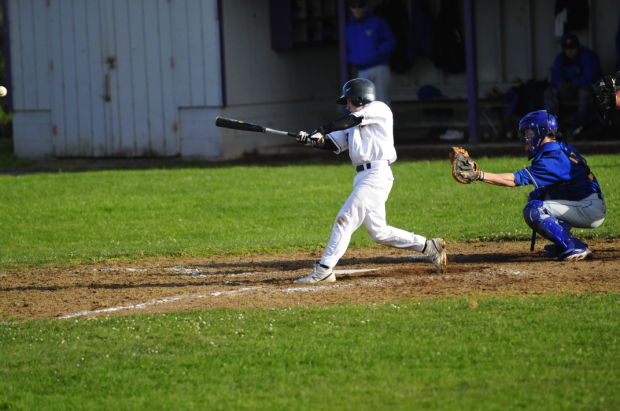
(367, 134)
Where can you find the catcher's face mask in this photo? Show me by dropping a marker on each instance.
(534, 127)
(527, 137)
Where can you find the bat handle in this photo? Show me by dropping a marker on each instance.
(533, 242)
(280, 132)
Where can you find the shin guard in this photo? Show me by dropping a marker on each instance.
(538, 218)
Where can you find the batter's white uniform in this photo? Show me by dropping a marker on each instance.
(371, 148)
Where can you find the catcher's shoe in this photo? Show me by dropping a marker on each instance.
(320, 274)
(436, 250)
(576, 254)
(553, 251)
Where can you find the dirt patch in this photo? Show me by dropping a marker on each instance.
(367, 275)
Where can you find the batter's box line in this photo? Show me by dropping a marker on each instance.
(154, 302)
(227, 293)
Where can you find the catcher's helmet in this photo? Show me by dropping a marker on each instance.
(360, 90)
(543, 124)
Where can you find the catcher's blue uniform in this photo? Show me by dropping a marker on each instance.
(558, 172)
(566, 194)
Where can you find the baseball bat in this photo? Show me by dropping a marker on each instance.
(242, 125)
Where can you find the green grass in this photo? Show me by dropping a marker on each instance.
(518, 352)
(88, 216)
(8, 162)
(535, 352)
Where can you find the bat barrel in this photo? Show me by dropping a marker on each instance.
(238, 125)
(242, 125)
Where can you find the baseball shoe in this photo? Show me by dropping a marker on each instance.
(320, 274)
(576, 254)
(553, 251)
(436, 250)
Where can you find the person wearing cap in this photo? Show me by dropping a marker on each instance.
(573, 73)
(370, 42)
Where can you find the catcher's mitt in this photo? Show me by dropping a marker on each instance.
(606, 95)
(464, 168)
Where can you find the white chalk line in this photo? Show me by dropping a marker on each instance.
(228, 293)
(289, 290)
(196, 272)
(155, 302)
(128, 269)
(355, 271)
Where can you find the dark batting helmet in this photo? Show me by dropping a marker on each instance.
(360, 90)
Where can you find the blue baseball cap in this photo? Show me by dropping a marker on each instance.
(429, 92)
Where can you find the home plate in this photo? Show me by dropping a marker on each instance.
(362, 270)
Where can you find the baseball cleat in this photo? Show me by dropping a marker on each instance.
(320, 274)
(576, 254)
(552, 250)
(436, 250)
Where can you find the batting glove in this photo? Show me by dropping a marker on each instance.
(313, 139)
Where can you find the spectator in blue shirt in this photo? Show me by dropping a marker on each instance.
(566, 194)
(573, 73)
(370, 42)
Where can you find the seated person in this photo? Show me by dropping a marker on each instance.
(572, 75)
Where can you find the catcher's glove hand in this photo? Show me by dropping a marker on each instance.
(607, 93)
(464, 168)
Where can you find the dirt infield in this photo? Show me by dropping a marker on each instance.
(368, 275)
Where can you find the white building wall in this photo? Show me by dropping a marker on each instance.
(111, 73)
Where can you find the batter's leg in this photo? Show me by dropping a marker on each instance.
(382, 233)
(376, 225)
(348, 220)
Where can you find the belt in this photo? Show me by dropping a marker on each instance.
(372, 164)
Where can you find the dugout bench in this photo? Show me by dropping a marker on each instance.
(417, 121)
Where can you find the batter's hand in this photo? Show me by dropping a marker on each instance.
(302, 137)
(312, 140)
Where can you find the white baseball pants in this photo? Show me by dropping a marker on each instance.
(366, 205)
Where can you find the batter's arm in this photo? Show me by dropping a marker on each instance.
(341, 123)
(319, 139)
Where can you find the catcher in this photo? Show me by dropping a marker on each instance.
(566, 194)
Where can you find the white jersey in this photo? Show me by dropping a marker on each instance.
(371, 140)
